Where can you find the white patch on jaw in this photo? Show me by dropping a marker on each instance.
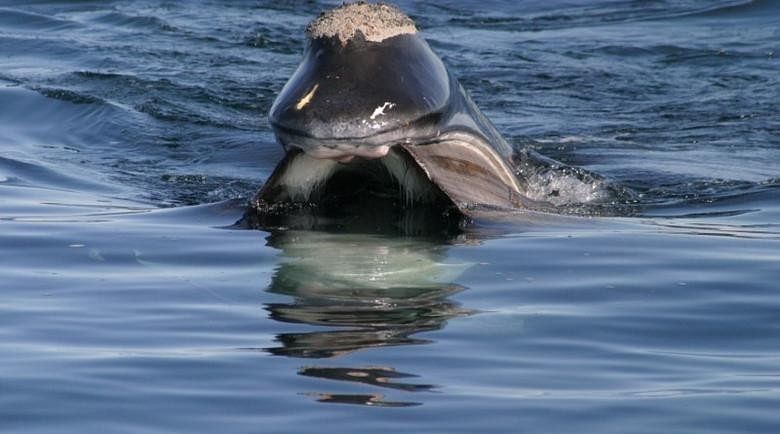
(345, 150)
(305, 174)
(380, 111)
(416, 186)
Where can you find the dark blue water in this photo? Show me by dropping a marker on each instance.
(132, 133)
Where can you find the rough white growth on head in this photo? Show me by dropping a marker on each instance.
(305, 175)
(375, 21)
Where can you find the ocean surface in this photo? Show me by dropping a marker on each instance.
(132, 134)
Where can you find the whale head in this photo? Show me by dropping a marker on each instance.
(372, 113)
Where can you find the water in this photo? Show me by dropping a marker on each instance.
(131, 134)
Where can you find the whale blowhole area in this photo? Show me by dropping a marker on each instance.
(375, 21)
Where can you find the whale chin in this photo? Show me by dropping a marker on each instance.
(445, 180)
(388, 194)
(332, 179)
(354, 191)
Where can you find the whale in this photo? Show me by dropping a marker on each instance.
(373, 123)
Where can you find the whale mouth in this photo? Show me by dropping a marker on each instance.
(453, 175)
(343, 179)
(359, 192)
(342, 152)
(372, 146)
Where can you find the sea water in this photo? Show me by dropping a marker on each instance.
(132, 134)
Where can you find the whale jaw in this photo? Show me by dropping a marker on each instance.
(453, 178)
(348, 180)
(390, 194)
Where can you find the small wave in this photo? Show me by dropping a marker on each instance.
(168, 100)
(566, 186)
(679, 225)
(21, 20)
(586, 16)
(190, 189)
(274, 38)
(14, 171)
(6, 81)
(703, 200)
(703, 56)
(68, 95)
(143, 22)
(53, 50)
(708, 214)
(99, 75)
(705, 191)
(170, 111)
(739, 8)
(66, 114)
(572, 190)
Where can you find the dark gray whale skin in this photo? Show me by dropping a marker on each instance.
(367, 99)
(353, 80)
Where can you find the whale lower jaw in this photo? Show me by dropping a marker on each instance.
(457, 172)
(306, 178)
(389, 194)
(331, 184)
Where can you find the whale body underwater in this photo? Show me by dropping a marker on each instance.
(374, 124)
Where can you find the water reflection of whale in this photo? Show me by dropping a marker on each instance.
(386, 320)
(374, 376)
(373, 290)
